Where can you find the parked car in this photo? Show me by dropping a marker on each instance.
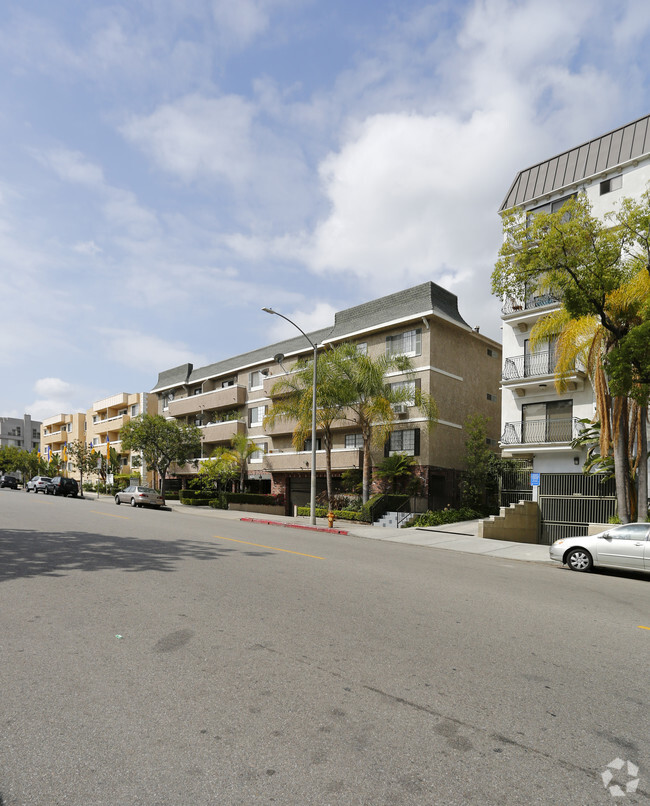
(9, 481)
(62, 486)
(137, 496)
(38, 483)
(626, 546)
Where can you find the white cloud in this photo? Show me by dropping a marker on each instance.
(239, 23)
(309, 319)
(72, 166)
(144, 352)
(87, 248)
(198, 135)
(56, 396)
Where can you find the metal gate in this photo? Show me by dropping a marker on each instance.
(568, 502)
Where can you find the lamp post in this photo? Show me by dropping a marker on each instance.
(312, 490)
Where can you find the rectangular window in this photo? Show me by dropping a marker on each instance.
(353, 441)
(96, 417)
(362, 348)
(613, 183)
(406, 441)
(492, 353)
(122, 412)
(198, 390)
(307, 446)
(135, 410)
(228, 382)
(407, 387)
(256, 415)
(493, 443)
(408, 343)
(492, 398)
(255, 380)
(547, 422)
(258, 456)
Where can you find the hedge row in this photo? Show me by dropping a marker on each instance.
(186, 496)
(339, 514)
(443, 516)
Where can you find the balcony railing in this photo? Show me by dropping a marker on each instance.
(228, 397)
(540, 432)
(542, 300)
(533, 365)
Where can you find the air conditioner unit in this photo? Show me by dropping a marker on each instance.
(400, 408)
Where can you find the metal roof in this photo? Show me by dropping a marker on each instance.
(604, 153)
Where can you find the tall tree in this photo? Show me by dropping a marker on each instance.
(162, 442)
(596, 268)
(240, 451)
(368, 398)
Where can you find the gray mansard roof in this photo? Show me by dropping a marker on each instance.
(421, 300)
(622, 145)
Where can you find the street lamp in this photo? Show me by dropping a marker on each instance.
(312, 491)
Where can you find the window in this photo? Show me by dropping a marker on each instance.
(354, 441)
(613, 183)
(408, 343)
(256, 415)
(122, 412)
(135, 410)
(492, 398)
(406, 441)
(198, 420)
(228, 382)
(307, 446)
(362, 348)
(96, 417)
(492, 353)
(493, 443)
(547, 422)
(198, 390)
(407, 386)
(551, 207)
(258, 456)
(256, 379)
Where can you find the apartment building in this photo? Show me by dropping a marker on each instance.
(57, 432)
(104, 420)
(537, 423)
(453, 362)
(22, 433)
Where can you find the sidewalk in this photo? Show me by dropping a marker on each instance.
(452, 537)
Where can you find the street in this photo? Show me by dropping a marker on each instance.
(169, 659)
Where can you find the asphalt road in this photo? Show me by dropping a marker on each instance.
(164, 659)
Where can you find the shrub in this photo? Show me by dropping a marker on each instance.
(339, 514)
(220, 502)
(440, 517)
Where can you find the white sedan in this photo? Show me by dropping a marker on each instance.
(626, 546)
(137, 496)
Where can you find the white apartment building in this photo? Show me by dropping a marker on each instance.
(538, 424)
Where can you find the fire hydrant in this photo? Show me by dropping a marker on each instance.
(330, 519)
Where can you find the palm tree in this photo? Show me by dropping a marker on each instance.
(240, 451)
(360, 384)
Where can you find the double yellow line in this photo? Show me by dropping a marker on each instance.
(272, 548)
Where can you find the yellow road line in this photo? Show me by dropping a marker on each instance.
(108, 515)
(641, 627)
(273, 548)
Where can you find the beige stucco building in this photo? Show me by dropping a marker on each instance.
(451, 361)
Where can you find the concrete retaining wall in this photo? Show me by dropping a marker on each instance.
(518, 523)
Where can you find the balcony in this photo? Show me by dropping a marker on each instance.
(530, 304)
(228, 397)
(108, 425)
(533, 365)
(291, 461)
(222, 432)
(541, 432)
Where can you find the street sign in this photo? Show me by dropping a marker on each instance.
(534, 479)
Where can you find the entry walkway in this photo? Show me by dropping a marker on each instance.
(451, 537)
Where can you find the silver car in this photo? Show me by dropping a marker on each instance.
(626, 546)
(137, 496)
(38, 483)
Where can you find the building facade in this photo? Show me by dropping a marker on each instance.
(57, 432)
(455, 364)
(538, 425)
(22, 433)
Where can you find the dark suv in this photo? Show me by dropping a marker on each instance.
(9, 481)
(62, 486)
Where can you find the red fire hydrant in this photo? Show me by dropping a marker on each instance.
(330, 519)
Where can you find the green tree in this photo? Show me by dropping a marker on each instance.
(398, 473)
(11, 457)
(599, 270)
(162, 442)
(368, 399)
(480, 486)
(219, 470)
(240, 451)
(83, 458)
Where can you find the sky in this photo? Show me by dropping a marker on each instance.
(169, 167)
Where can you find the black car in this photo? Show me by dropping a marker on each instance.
(62, 486)
(9, 481)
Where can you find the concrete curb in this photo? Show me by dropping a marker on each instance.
(296, 526)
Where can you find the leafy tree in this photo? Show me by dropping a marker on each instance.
(240, 451)
(368, 400)
(83, 458)
(600, 271)
(162, 442)
(11, 458)
(219, 470)
(480, 486)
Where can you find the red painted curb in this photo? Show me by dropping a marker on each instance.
(296, 526)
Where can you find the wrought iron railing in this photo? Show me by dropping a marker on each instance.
(541, 431)
(511, 305)
(533, 365)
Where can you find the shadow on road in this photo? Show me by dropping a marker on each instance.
(26, 553)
